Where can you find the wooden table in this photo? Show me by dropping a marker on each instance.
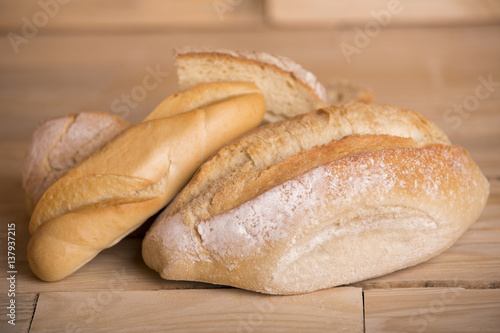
(88, 54)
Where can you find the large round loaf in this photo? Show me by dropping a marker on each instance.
(336, 196)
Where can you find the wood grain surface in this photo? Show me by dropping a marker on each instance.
(396, 12)
(432, 310)
(223, 310)
(25, 307)
(131, 16)
(440, 59)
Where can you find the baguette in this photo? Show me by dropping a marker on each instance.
(336, 196)
(58, 144)
(108, 195)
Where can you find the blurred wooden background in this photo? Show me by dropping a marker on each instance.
(62, 56)
(168, 15)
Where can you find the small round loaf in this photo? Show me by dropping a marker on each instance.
(58, 144)
(336, 196)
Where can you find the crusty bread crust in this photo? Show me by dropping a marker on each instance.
(108, 195)
(382, 190)
(268, 145)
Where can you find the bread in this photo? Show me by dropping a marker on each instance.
(341, 91)
(108, 195)
(336, 196)
(60, 143)
(288, 88)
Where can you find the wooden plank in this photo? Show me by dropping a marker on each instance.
(486, 154)
(118, 268)
(225, 310)
(118, 16)
(494, 197)
(24, 310)
(432, 310)
(393, 13)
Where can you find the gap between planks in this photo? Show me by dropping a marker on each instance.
(34, 311)
(25, 311)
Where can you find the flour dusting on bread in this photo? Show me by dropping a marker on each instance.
(328, 198)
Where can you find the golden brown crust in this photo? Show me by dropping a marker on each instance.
(387, 192)
(247, 186)
(270, 144)
(111, 193)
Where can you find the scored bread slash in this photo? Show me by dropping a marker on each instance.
(288, 88)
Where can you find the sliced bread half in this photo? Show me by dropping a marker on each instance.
(288, 88)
